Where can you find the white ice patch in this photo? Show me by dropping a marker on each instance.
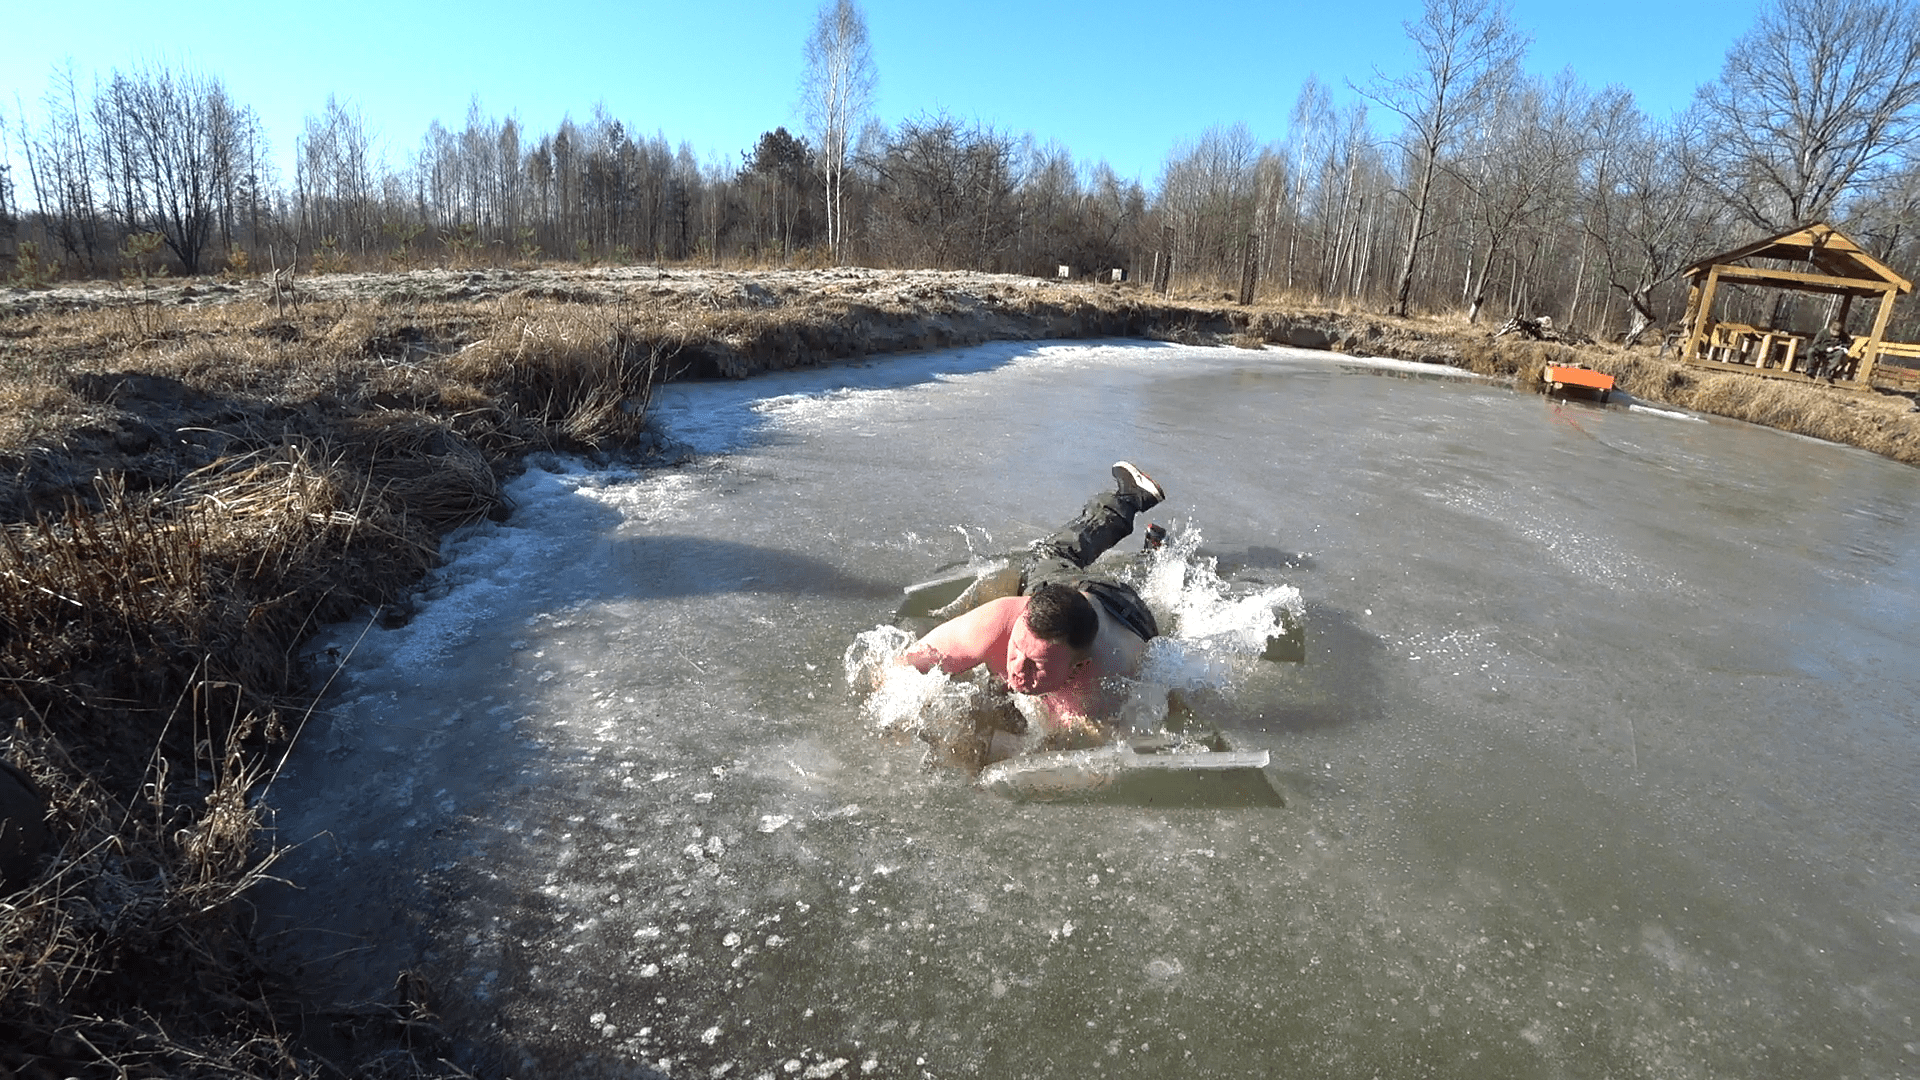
(715, 418)
(654, 498)
(1670, 414)
(485, 570)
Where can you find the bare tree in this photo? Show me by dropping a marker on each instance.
(948, 195)
(1649, 213)
(1523, 167)
(178, 138)
(1207, 193)
(9, 203)
(333, 163)
(838, 90)
(1811, 103)
(1470, 53)
(59, 164)
(1887, 221)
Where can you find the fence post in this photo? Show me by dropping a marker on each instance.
(1250, 269)
(1163, 261)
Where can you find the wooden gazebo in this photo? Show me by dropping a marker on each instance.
(1815, 258)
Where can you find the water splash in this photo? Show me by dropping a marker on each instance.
(1212, 631)
(902, 699)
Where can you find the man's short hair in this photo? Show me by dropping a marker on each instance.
(1061, 615)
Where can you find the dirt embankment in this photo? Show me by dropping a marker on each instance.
(199, 473)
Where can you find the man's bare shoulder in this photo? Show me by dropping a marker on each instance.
(1006, 609)
(975, 637)
(991, 620)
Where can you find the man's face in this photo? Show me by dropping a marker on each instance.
(1038, 666)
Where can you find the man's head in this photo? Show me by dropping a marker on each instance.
(1051, 639)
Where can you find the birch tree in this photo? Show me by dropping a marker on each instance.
(1470, 52)
(838, 91)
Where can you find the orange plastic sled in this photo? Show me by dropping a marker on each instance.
(1560, 379)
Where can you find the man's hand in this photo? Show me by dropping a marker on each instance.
(922, 657)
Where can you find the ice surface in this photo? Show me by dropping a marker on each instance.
(610, 787)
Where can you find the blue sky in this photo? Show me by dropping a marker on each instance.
(1123, 80)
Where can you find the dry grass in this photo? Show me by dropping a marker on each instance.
(193, 494)
(1884, 424)
(583, 380)
(132, 955)
(132, 933)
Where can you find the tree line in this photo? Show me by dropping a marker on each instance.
(1463, 184)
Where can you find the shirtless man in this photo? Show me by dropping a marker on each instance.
(1066, 633)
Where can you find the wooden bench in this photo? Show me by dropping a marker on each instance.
(1729, 342)
(1897, 366)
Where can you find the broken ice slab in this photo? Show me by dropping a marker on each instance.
(960, 589)
(1067, 773)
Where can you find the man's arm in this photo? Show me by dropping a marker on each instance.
(965, 641)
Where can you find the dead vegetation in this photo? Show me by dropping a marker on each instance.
(197, 477)
(184, 511)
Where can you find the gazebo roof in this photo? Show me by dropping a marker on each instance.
(1833, 263)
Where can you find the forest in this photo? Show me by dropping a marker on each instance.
(1462, 185)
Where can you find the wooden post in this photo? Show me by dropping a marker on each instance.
(1871, 353)
(1163, 267)
(1700, 316)
(1693, 303)
(1249, 269)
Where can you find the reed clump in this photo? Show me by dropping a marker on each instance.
(248, 483)
(577, 381)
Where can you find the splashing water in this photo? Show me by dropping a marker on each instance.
(900, 698)
(1214, 630)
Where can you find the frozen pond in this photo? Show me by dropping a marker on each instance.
(1601, 760)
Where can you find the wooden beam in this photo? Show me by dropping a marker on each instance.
(1794, 279)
